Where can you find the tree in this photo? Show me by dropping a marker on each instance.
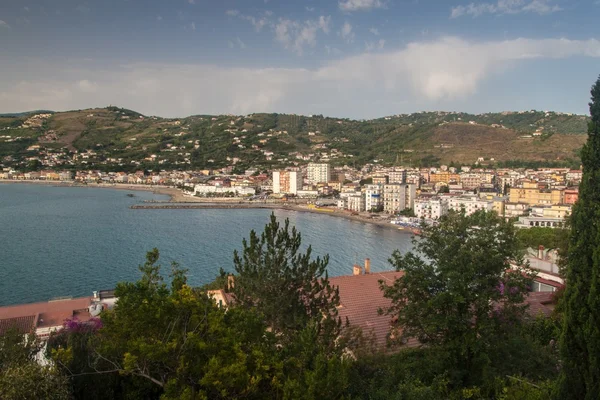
(287, 287)
(456, 293)
(31, 381)
(175, 343)
(21, 376)
(580, 341)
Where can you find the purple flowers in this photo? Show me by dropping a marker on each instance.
(75, 325)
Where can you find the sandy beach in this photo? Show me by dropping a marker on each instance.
(177, 196)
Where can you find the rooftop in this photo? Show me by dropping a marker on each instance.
(28, 317)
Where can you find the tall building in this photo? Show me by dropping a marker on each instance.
(318, 173)
(373, 197)
(398, 197)
(287, 182)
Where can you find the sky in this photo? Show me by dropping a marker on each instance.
(346, 58)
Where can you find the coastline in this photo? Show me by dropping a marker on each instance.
(177, 196)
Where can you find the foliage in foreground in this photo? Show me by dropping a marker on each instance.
(22, 377)
(580, 344)
(167, 340)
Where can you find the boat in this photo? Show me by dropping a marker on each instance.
(130, 195)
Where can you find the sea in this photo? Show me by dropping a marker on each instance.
(71, 241)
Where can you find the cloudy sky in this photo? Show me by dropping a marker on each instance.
(346, 58)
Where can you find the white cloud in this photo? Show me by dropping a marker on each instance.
(87, 86)
(159, 18)
(310, 9)
(421, 75)
(295, 35)
(505, 7)
(240, 43)
(257, 22)
(379, 45)
(357, 5)
(4, 25)
(193, 26)
(346, 32)
(192, 1)
(374, 31)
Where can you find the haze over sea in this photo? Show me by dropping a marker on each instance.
(65, 241)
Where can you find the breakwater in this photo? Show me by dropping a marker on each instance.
(190, 206)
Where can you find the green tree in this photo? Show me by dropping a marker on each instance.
(175, 343)
(31, 381)
(580, 341)
(287, 287)
(455, 292)
(21, 376)
(16, 348)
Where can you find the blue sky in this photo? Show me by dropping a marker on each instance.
(347, 58)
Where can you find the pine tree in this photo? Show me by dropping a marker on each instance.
(580, 344)
(288, 287)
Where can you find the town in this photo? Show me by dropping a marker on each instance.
(404, 196)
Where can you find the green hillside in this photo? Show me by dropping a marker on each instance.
(124, 139)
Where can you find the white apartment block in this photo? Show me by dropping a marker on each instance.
(318, 173)
(470, 204)
(398, 197)
(287, 182)
(431, 208)
(356, 203)
(373, 196)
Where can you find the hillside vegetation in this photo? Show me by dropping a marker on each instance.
(269, 140)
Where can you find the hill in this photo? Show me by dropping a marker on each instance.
(116, 138)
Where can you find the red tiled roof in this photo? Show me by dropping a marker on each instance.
(23, 324)
(540, 303)
(50, 313)
(360, 300)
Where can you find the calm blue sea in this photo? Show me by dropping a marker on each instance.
(61, 241)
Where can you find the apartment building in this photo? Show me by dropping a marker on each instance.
(287, 182)
(398, 176)
(432, 208)
(469, 204)
(373, 197)
(317, 173)
(398, 197)
(444, 177)
(356, 203)
(531, 194)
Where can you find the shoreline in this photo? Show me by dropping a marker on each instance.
(177, 196)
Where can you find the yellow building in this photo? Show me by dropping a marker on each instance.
(557, 211)
(532, 195)
(445, 177)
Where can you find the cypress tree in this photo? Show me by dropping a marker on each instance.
(580, 342)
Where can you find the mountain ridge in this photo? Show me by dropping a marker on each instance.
(272, 140)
